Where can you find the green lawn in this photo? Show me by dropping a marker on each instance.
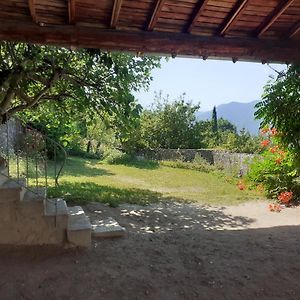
(86, 180)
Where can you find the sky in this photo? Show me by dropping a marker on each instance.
(210, 82)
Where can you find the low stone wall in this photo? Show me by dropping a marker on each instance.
(232, 162)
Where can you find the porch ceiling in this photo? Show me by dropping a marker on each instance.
(255, 30)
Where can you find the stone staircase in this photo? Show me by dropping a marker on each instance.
(29, 218)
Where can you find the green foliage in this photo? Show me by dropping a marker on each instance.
(214, 120)
(275, 170)
(198, 164)
(280, 107)
(88, 78)
(241, 142)
(115, 156)
(169, 125)
(81, 99)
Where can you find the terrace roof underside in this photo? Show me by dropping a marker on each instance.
(252, 30)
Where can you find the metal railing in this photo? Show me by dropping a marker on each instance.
(32, 159)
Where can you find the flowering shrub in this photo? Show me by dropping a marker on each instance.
(285, 197)
(241, 186)
(274, 171)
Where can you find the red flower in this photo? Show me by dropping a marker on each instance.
(278, 160)
(241, 186)
(274, 207)
(274, 149)
(274, 131)
(265, 143)
(285, 197)
(264, 130)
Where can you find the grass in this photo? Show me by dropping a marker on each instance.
(86, 180)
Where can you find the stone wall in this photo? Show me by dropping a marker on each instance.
(232, 162)
(15, 132)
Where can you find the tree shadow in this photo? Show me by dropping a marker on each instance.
(158, 213)
(245, 264)
(168, 216)
(81, 167)
(87, 191)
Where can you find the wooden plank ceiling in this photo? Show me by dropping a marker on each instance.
(255, 30)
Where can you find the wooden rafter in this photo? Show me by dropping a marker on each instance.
(251, 49)
(32, 9)
(196, 14)
(277, 12)
(233, 16)
(155, 15)
(294, 30)
(115, 13)
(71, 9)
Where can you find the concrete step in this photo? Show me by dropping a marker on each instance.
(108, 228)
(3, 175)
(79, 227)
(55, 207)
(35, 195)
(56, 213)
(12, 191)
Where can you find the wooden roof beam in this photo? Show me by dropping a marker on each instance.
(294, 30)
(155, 15)
(277, 12)
(251, 49)
(71, 9)
(196, 14)
(32, 8)
(233, 16)
(115, 13)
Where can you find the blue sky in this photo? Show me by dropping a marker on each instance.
(209, 82)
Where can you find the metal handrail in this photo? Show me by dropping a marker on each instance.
(39, 157)
(59, 146)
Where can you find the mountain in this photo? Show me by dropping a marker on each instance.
(239, 114)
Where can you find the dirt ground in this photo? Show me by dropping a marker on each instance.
(172, 251)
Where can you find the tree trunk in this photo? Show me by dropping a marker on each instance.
(89, 144)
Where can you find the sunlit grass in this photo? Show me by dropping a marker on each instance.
(87, 180)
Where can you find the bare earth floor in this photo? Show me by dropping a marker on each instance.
(172, 251)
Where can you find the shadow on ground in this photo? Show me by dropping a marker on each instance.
(170, 216)
(187, 264)
(88, 191)
(79, 167)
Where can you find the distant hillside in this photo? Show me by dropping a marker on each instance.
(239, 114)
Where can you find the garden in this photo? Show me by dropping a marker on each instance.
(194, 230)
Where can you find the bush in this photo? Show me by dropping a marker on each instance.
(275, 170)
(115, 156)
(77, 151)
(198, 164)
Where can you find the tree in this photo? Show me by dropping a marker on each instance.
(280, 107)
(215, 129)
(169, 125)
(225, 126)
(214, 120)
(88, 78)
